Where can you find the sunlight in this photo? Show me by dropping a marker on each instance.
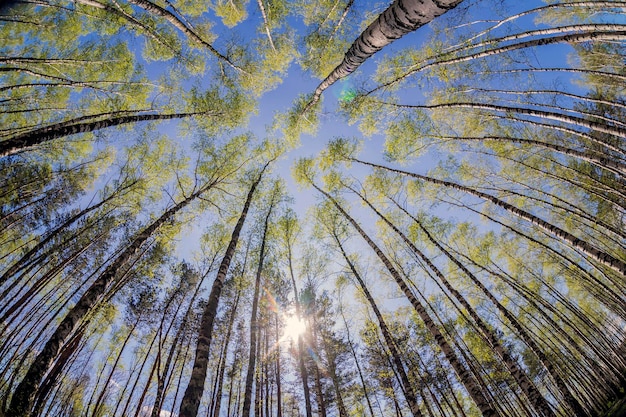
(294, 327)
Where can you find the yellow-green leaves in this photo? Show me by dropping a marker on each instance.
(303, 171)
(339, 150)
(232, 12)
(301, 119)
(406, 137)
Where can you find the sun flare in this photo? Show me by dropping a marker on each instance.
(294, 327)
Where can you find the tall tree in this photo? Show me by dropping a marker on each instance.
(254, 321)
(402, 17)
(305, 174)
(528, 387)
(335, 230)
(23, 398)
(341, 150)
(290, 229)
(193, 392)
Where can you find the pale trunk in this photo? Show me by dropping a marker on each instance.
(218, 395)
(303, 371)
(402, 17)
(471, 385)
(29, 140)
(193, 393)
(180, 25)
(526, 338)
(411, 398)
(596, 254)
(570, 38)
(254, 327)
(22, 400)
(525, 383)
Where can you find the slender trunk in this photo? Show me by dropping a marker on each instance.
(37, 261)
(589, 5)
(452, 390)
(303, 371)
(542, 114)
(20, 263)
(331, 356)
(214, 381)
(100, 398)
(407, 386)
(161, 375)
(258, 384)
(279, 399)
(266, 24)
(344, 14)
(18, 305)
(193, 393)
(600, 160)
(23, 398)
(184, 361)
(591, 35)
(68, 351)
(65, 80)
(230, 387)
(619, 153)
(618, 77)
(81, 84)
(565, 392)
(358, 367)
(144, 361)
(254, 325)
(319, 393)
(594, 187)
(561, 258)
(152, 34)
(265, 369)
(180, 25)
(524, 382)
(158, 400)
(220, 385)
(582, 29)
(153, 369)
(586, 248)
(29, 140)
(470, 384)
(402, 17)
(571, 209)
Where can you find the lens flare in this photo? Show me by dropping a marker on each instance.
(294, 327)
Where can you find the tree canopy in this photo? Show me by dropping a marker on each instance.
(342, 208)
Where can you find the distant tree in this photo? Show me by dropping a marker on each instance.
(289, 229)
(191, 399)
(254, 321)
(336, 231)
(305, 174)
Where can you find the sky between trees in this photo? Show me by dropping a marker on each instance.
(210, 209)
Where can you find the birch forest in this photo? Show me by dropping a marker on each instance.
(298, 208)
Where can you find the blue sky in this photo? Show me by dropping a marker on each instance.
(475, 15)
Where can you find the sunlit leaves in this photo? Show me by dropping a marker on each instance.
(232, 12)
(405, 138)
(339, 150)
(266, 73)
(301, 119)
(303, 171)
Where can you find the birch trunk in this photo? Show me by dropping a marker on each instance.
(596, 254)
(193, 393)
(469, 382)
(402, 17)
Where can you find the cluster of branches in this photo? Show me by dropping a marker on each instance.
(505, 257)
